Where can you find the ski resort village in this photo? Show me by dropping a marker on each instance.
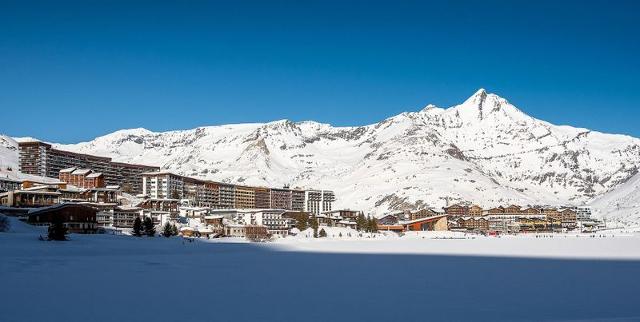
(474, 212)
(92, 194)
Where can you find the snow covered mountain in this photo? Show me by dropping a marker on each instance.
(622, 204)
(484, 150)
(8, 154)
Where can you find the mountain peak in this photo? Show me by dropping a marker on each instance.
(477, 99)
(482, 104)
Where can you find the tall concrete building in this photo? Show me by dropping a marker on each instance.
(41, 159)
(319, 201)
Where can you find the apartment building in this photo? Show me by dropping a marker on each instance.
(125, 217)
(163, 185)
(583, 213)
(218, 195)
(297, 200)
(82, 178)
(262, 197)
(41, 159)
(227, 197)
(319, 201)
(280, 198)
(245, 197)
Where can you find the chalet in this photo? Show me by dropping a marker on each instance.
(456, 210)
(531, 211)
(475, 211)
(388, 219)
(29, 198)
(512, 210)
(568, 218)
(422, 213)
(474, 223)
(77, 218)
(7, 184)
(496, 211)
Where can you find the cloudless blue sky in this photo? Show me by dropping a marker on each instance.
(71, 71)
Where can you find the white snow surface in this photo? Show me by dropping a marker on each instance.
(116, 278)
(484, 151)
(622, 204)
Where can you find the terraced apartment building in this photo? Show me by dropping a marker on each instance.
(218, 195)
(41, 159)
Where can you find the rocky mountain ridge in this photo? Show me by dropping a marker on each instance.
(484, 151)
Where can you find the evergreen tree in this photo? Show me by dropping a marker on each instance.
(313, 222)
(174, 230)
(360, 222)
(137, 227)
(167, 230)
(373, 225)
(57, 230)
(149, 228)
(322, 233)
(302, 221)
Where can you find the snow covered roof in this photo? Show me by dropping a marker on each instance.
(68, 170)
(81, 171)
(94, 175)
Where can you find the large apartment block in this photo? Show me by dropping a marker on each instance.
(41, 159)
(245, 197)
(319, 201)
(218, 195)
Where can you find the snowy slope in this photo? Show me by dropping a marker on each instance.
(623, 203)
(8, 154)
(484, 150)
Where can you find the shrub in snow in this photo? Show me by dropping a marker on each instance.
(5, 225)
(149, 227)
(323, 233)
(167, 230)
(137, 227)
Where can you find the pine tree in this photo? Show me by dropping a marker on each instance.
(302, 221)
(137, 227)
(374, 224)
(313, 223)
(360, 222)
(57, 230)
(174, 230)
(322, 233)
(149, 228)
(167, 230)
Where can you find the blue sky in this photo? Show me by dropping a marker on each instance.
(71, 71)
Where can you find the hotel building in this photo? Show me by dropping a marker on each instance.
(41, 159)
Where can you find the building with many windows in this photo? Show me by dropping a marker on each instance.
(41, 159)
(7, 184)
(319, 201)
